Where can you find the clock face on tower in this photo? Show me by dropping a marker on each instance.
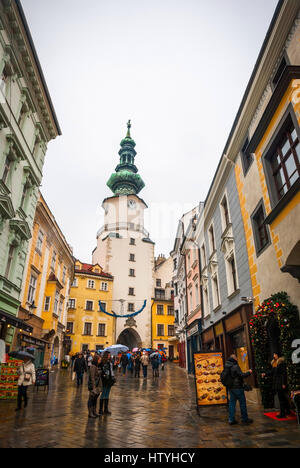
(131, 204)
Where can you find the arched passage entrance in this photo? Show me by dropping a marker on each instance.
(130, 338)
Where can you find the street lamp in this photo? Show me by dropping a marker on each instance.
(31, 308)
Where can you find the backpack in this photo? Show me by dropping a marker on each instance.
(226, 377)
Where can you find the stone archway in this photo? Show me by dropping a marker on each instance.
(292, 265)
(130, 338)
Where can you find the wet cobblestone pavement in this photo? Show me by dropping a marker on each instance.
(145, 413)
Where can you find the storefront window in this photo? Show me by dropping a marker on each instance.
(240, 349)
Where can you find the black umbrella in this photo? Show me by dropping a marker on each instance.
(21, 355)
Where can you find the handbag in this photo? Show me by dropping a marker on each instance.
(27, 375)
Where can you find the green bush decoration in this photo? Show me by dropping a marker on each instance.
(279, 308)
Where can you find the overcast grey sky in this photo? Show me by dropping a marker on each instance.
(177, 68)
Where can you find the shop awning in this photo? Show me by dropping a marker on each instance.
(14, 321)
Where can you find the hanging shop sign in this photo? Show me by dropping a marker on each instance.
(209, 389)
(194, 329)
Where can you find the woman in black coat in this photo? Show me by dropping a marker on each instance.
(108, 380)
(279, 375)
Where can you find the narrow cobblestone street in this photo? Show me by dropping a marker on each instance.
(145, 414)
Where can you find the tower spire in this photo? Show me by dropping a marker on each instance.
(128, 129)
(126, 180)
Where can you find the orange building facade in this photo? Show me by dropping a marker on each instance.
(47, 280)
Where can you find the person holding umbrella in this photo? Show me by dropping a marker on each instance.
(27, 377)
(108, 380)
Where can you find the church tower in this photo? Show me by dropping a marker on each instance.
(125, 250)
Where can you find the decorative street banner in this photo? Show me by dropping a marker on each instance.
(208, 370)
(120, 315)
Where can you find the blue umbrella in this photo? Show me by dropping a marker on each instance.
(116, 349)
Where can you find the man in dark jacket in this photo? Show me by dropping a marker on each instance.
(80, 368)
(236, 390)
(124, 362)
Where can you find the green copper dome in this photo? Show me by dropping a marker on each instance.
(126, 181)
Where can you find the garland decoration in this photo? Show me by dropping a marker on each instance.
(280, 311)
(113, 314)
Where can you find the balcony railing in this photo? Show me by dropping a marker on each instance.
(123, 227)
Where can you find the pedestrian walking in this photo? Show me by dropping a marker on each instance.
(80, 368)
(137, 366)
(108, 380)
(27, 377)
(130, 363)
(94, 385)
(279, 384)
(124, 362)
(145, 364)
(155, 366)
(233, 379)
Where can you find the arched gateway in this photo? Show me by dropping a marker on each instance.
(130, 338)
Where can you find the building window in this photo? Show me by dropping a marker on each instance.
(203, 256)
(75, 283)
(233, 274)
(160, 294)
(216, 294)
(104, 287)
(211, 236)
(7, 167)
(89, 305)
(160, 309)
(60, 310)
(103, 305)
(197, 295)
(101, 329)
(131, 307)
(39, 244)
(171, 330)
(175, 264)
(11, 253)
(206, 302)
(131, 272)
(72, 303)
(87, 329)
(32, 289)
(132, 241)
(246, 157)
(191, 303)
(70, 328)
(131, 292)
(24, 194)
(160, 330)
(170, 310)
(132, 258)
(47, 303)
(53, 261)
(225, 213)
(91, 284)
(56, 300)
(260, 230)
(285, 162)
(64, 275)
(158, 283)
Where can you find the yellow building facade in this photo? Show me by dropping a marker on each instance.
(276, 174)
(87, 327)
(163, 327)
(47, 280)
